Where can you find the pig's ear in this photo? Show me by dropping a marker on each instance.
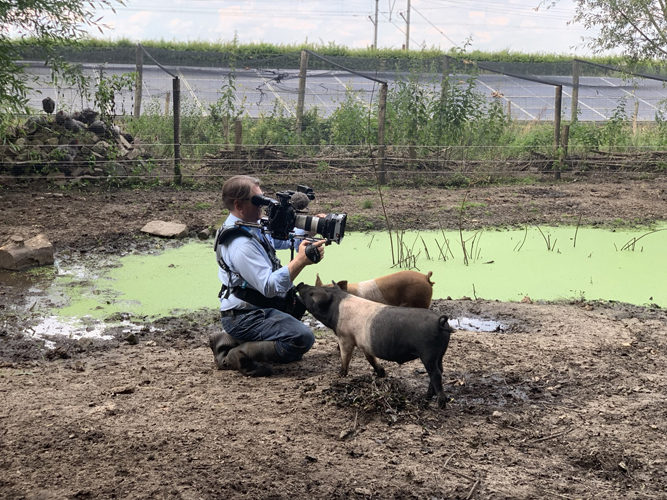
(318, 281)
(334, 285)
(342, 285)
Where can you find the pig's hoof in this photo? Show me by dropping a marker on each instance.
(442, 403)
(342, 373)
(380, 372)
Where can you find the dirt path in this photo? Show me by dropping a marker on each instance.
(567, 402)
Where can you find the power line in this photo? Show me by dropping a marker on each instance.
(441, 32)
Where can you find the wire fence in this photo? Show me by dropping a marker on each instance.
(261, 84)
(206, 115)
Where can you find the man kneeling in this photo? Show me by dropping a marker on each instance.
(260, 311)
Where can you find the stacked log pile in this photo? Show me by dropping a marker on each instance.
(65, 146)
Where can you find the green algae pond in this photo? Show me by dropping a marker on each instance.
(545, 263)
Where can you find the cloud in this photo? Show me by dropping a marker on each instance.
(294, 23)
(476, 14)
(141, 18)
(482, 37)
(179, 26)
(498, 21)
(528, 24)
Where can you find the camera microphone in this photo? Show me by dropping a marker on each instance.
(299, 201)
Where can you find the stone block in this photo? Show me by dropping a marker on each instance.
(165, 229)
(18, 254)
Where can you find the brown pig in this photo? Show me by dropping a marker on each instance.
(403, 289)
(398, 334)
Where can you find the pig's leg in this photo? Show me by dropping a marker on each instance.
(431, 389)
(375, 364)
(432, 366)
(346, 349)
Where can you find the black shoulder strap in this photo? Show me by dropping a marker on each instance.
(222, 236)
(228, 233)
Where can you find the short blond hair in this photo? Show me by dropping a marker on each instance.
(238, 187)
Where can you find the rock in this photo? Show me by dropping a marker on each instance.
(204, 234)
(133, 154)
(165, 229)
(20, 143)
(124, 142)
(74, 125)
(526, 300)
(61, 117)
(36, 251)
(101, 148)
(98, 127)
(88, 116)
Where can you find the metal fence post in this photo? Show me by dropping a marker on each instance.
(177, 130)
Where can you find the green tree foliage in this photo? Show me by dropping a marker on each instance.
(637, 27)
(47, 23)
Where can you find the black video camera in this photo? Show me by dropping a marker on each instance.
(283, 215)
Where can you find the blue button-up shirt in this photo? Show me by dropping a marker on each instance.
(251, 265)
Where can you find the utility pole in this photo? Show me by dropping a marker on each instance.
(407, 27)
(375, 38)
(375, 23)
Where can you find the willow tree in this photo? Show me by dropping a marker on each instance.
(47, 24)
(638, 28)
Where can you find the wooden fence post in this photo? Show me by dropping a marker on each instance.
(225, 128)
(564, 141)
(167, 103)
(634, 119)
(557, 112)
(575, 91)
(382, 111)
(238, 138)
(509, 109)
(177, 130)
(303, 69)
(139, 81)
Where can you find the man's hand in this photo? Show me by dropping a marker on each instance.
(314, 251)
(301, 260)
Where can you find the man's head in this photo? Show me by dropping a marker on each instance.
(236, 195)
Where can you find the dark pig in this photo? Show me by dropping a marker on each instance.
(392, 333)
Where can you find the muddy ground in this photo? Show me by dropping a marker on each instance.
(566, 401)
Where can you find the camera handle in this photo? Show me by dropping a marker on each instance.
(311, 251)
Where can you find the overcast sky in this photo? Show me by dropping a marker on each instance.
(491, 25)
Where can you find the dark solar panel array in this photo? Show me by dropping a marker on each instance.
(274, 90)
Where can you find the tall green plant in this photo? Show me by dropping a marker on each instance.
(348, 121)
(226, 107)
(107, 90)
(458, 105)
(612, 132)
(407, 111)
